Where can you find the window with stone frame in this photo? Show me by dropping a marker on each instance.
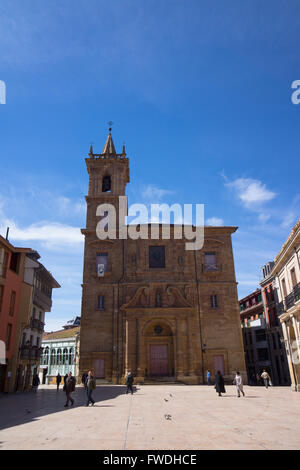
(211, 261)
(102, 259)
(100, 302)
(106, 184)
(293, 277)
(284, 287)
(214, 301)
(157, 257)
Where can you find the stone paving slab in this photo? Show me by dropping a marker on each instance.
(264, 419)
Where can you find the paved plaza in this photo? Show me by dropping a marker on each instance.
(155, 417)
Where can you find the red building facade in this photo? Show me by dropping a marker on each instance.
(11, 281)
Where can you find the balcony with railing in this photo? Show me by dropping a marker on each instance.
(293, 297)
(42, 300)
(36, 324)
(280, 308)
(30, 352)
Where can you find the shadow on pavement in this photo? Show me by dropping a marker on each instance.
(21, 408)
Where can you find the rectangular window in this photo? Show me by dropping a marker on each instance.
(100, 302)
(14, 262)
(12, 303)
(102, 263)
(284, 287)
(293, 277)
(210, 261)
(8, 336)
(157, 257)
(260, 335)
(263, 354)
(214, 301)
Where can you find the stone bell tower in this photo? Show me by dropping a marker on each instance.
(108, 175)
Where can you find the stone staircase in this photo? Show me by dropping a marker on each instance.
(160, 381)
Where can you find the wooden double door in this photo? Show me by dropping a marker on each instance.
(159, 360)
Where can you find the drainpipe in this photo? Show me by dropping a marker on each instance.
(199, 316)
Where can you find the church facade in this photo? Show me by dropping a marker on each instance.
(154, 308)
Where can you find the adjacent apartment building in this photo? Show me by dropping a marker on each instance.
(60, 352)
(24, 299)
(286, 282)
(277, 350)
(262, 337)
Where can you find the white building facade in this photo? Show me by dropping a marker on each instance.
(286, 272)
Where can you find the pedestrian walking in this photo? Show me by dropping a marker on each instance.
(208, 377)
(129, 383)
(266, 378)
(58, 380)
(219, 383)
(35, 383)
(83, 379)
(69, 388)
(238, 381)
(90, 385)
(65, 379)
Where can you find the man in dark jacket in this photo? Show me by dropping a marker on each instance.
(83, 379)
(90, 385)
(35, 382)
(69, 388)
(219, 380)
(129, 383)
(58, 380)
(65, 380)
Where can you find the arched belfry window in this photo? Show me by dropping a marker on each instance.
(106, 184)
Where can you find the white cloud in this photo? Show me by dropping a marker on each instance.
(49, 233)
(264, 217)
(251, 192)
(289, 219)
(154, 193)
(67, 206)
(215, 221)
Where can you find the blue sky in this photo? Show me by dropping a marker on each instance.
(200, 92)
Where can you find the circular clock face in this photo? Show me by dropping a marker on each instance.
(158, 330)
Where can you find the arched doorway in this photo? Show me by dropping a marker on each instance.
(159, 349)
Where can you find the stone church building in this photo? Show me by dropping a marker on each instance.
(154, 308)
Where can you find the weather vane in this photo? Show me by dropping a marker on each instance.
(110, 123)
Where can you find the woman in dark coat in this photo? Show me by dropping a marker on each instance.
(219, 383)
(69, 388)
